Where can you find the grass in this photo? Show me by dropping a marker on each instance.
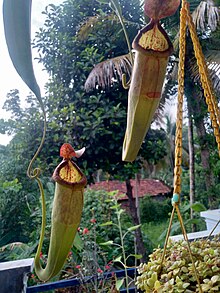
(153, 231)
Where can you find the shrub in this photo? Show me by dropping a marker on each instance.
(152, 210)
(98, 205)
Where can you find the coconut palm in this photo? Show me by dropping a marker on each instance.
(206, 18)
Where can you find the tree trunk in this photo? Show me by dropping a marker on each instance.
(205, 158)
(139, 239)
(197, 106)
(191, 162)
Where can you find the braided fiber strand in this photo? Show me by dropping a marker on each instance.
(178, 140)
(205, 81)
(188, 246)
(179, 120)
(167, 238)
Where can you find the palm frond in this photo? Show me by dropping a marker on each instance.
(213, 63)
(214, 69)
(206, 14)
(108, 72)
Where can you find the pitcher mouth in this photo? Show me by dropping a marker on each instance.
(68, 173)
(151, 49)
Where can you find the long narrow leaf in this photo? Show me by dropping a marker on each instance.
(119, 283)
(17, 26)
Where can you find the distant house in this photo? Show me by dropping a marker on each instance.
(147, 187)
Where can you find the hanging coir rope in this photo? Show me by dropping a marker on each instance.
(210, 98)
(186, 18)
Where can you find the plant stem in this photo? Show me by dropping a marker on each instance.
(122, 247)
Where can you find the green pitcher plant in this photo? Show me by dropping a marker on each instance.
(66, 213)
(152, 48)
(70, 181)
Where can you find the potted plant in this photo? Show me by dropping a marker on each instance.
(176, 273)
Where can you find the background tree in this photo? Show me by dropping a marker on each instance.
(206, 18)
(207, 27)
(96, 120)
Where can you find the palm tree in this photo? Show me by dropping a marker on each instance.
(206, 18)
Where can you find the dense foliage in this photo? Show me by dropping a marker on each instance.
(76, 36)
(153, 210)
(177, 273)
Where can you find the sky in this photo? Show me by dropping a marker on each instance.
(9, 79)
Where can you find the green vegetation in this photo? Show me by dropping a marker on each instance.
(154, 210)
(177, 274)
(76, 36)
(154, 231)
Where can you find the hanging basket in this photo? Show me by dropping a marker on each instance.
(177, 274)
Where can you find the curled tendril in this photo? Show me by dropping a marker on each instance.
(125, 84)
(35, 173)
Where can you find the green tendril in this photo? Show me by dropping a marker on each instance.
(35, 173)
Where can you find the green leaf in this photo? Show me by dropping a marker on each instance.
(106, 224)
(206, 287)
(154, 277)
(198, 207)
(117, 259)
(119, 283)
(17, 26)
(193, 221)
(185, 208)
(78, 242)
(110, 242)
(157, 285)
(137, 256)
(215, 279)
(108, 200)
(115, 207)
(134, 228)
(121, 211)
(185, 285)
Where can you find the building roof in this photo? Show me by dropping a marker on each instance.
(151, 187)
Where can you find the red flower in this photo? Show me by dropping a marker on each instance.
(78, 267)
(100, 271)
(32, 276)
(85, 231)
(78, 229)
(41, 254)
(70, 253)
(107, 267)
(93, 221)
